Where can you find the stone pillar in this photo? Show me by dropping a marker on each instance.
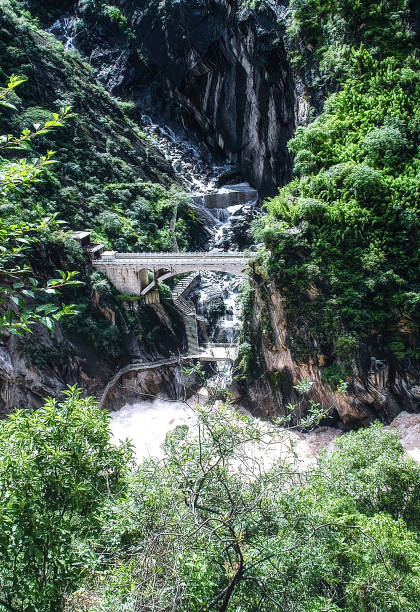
(127, 280)
(124, 278)
(143, 276)
(152, 297)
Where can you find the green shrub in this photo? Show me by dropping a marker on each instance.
(347, 225)
(57, 468)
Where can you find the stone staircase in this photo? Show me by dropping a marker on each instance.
(191, 331)
(187, 310)
(184, 306)
(185, 285)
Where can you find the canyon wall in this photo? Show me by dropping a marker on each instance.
(218, 68)
(43, 364)
(375, 390)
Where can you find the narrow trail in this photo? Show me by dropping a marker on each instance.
(211, 353)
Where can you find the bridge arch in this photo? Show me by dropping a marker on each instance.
(160, 276)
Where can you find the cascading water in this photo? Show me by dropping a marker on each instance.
(63, 29)
(216, 299)
(196, 174)
(200, 176)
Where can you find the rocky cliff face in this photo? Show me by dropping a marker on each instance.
(26, 380)
(226, 70)
(163, 382)
(376, 390)
(218, 68)
(42, 365)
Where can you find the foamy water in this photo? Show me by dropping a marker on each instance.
(148, 423)
(408, 426)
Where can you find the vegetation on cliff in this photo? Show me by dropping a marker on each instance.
(16, 239)
(342, 237)
(209, 525)
(111, 178)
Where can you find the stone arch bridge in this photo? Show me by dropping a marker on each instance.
(129, 272)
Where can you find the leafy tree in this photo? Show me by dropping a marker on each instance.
(17, 283)
(228, 519)
(57, 466)
(372, 471)
(17, 173)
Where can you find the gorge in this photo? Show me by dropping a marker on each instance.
(206, 141)
(209, 305)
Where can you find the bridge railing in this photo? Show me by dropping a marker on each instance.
(199, 254)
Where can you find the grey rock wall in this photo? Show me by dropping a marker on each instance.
(215, 67)
(380, 394)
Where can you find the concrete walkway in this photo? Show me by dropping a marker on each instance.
(208, 353)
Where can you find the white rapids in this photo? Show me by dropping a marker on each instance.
(147, 423)
(408, 426)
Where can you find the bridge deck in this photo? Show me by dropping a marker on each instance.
(128, 271)
(194, 259)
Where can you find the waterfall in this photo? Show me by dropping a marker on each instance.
(63, 29)
(197, 174)
(219, 207)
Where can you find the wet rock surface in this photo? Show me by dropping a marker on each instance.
(29, 372)
(166, 382)
(26, 381)
(219, 69)
(237, 233)
(381, 393)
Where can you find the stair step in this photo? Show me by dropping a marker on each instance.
(183, 284)
(191, 333)
(184, 306)
(188, 312)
